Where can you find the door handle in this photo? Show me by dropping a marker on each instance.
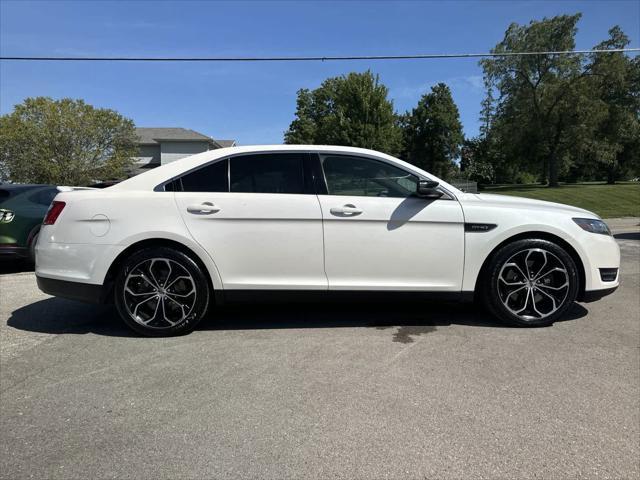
(205, 208)
(347, 209)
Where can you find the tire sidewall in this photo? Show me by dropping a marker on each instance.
(33, 239)
(492, 298)
(202, 291)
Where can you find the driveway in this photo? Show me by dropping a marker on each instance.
(317, 391)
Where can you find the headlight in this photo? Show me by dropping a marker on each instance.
(6, 216)
(593, 225)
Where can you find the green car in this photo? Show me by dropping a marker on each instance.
(22, 209)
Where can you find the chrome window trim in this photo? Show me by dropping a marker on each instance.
(448, 195)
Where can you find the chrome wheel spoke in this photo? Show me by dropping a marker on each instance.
(556, 269)
(512, 293)
(181, 277)
(541, 285)
(139, 294)
(506, 267)
(137, 307)
(153, 317)
(535, 305)
(191, 291)
(180, 295)
(553, 300)
(179, 305)
(526, 301)
(151, 274)
(164, 313)
(531, 252)
(144, 277)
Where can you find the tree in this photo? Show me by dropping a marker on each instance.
(433, 132)
(535, 113)
(64, 142)
(351, 110)
(475, 161)
(614, 87)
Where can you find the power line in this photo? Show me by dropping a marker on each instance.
(312, 58)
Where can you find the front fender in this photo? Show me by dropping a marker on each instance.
(480, 245)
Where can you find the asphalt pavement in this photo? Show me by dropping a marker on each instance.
(317, 391)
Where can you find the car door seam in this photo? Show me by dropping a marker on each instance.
(324, 253)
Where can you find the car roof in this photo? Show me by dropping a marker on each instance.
(22, 186)
(154, 177)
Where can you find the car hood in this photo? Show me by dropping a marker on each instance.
(507, 201)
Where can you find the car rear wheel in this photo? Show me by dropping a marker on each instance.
(33, 239)
(531, 283)
(161, 292)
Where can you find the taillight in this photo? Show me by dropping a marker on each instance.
(53, 213)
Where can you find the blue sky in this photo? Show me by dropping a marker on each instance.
(255, 102)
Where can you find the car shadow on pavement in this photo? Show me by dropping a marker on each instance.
(59, 316)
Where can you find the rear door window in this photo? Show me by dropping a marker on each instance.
(268, 173)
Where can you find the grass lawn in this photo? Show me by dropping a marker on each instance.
(608, 201)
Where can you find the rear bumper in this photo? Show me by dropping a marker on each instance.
(74, 262)
(83, 292)
(595, 295)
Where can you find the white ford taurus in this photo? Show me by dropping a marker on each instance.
(241, 222)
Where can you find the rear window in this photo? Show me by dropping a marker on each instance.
(44, 197)
(212, 178)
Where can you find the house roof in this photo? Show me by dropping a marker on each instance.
(226, 143)
(152, 136)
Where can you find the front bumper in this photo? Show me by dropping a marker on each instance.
(595, 295)
(601, 260)
(83, 292)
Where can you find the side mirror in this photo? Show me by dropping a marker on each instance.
(427, 189)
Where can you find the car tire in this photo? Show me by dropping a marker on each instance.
(530, 283)
(161, 292)
(32, 247)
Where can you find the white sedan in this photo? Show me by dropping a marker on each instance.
(276, 221)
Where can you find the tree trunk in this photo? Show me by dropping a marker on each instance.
(611, 171)
(545, 169)
(553, 156)
(553, 169)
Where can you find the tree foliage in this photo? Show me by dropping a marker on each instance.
(561, 117)
(432, 132)
(613, 145)
(474, 163)
(545, 117)
(64, 142)
(351, 110)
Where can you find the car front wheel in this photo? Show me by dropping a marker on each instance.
(531, 283)
(161, 292)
